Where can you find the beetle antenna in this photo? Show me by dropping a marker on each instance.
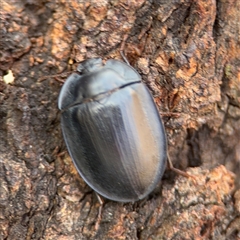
(41, 79)
(122, 49)
(99, 217)
(124, 57)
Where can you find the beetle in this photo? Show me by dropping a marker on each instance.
(113, 130)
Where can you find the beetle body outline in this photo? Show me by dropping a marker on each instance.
(113, 130)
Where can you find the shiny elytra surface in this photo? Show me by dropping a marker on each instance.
(113, 130)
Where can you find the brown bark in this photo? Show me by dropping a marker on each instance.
(188, 55)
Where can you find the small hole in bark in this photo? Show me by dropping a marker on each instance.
(203, 229)
(170, 61)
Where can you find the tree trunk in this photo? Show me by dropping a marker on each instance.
(188, 54)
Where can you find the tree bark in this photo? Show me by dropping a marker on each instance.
(187, 53)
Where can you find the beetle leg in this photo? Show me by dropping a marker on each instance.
(99, 217)
(170, 114)
(178, 171)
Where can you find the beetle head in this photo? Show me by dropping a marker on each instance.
(89, 65)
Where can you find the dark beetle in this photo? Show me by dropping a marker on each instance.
(113, 130)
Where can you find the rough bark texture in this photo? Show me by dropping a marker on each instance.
(188, 53)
